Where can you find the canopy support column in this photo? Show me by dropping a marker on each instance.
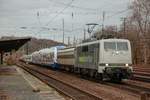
(1, 59)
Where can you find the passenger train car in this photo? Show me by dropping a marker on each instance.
(26, 58)
(66, 58)
(46, 57)
(107, 58)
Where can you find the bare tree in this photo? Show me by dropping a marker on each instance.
(140, 18)
(107, 32)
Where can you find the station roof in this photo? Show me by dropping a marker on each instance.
(6, 45)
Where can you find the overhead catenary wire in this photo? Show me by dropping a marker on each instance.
(73, 6)
(77, 13)
(82, 8)
(70, 5)
(115, 14)
(59, 12)
(52, 19)
(118, 13)
(108, 17)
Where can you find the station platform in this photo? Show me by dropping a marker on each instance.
(16, 84)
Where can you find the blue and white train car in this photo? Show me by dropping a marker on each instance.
(47, 57)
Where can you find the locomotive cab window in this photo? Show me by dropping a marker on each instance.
(122, 46)
(109, 46)
(113, 46)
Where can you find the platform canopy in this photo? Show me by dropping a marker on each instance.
(7, 45)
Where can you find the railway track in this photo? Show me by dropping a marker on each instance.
(68, 90)
(133, 86)
(141, 74)
(138, 86)
(129, 86)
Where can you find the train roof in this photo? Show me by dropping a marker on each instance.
(34, 53)
(103, 40)
(67, 49)
(59, 47)
(46, 50)
(123, 40)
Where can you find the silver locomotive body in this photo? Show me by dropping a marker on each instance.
(109, 58)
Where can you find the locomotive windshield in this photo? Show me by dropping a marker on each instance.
(122, 46)
(109, 46)
(118, 46)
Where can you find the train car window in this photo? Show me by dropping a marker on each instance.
(122, 46)
(108, 46)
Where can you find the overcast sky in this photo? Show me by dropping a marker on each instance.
(42, 18)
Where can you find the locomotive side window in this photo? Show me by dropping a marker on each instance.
(88, 54)
(122, 46)
(85, 49)
(109, 46)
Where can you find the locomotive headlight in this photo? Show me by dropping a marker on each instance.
(106, 64)
(127, 65)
